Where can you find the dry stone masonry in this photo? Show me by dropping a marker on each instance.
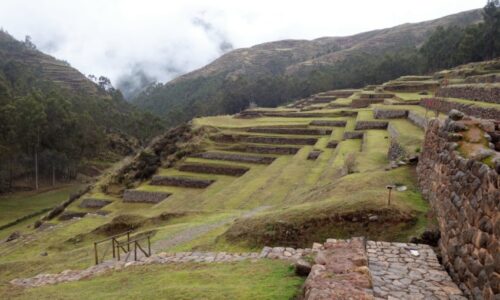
(265, 160)
(445, 106)
(390, 113)
(135, 196)
(363, 125)
(213, 169)
(464, 194)
(181, 181)
(478, 92)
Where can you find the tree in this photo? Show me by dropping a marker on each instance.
(491, 29)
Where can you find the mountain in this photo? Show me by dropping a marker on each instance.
(52, 117)
(24, 69)
(272, 73)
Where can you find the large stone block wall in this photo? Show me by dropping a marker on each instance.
(389, 113)
(485, 93)
(465, 197)
(444, 106)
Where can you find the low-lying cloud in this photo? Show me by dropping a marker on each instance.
(137, 42)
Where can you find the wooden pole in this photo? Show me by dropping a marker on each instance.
(113, 245)
(149, 246)
(389, 200)
(135, 251)
(95, 252)
(128, 241)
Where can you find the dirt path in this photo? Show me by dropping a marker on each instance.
(193, 233)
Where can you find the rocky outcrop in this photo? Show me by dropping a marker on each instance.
(135, 196)
(477, 92)
(444, 106)
(465, 196)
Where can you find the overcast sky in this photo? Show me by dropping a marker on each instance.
(117, 38)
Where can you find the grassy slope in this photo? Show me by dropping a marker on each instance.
(244, 280)
(17, 205)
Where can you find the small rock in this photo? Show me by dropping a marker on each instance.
(317, 246)
(487, 126)
(456, 115)
(302, 267)
(401, 188)
(373, 218)
(13, 236)
(43, 254)
(483, 154)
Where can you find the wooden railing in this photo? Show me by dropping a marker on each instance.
(114, 242)
(135, 242)
(124, 245)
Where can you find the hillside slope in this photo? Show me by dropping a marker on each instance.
(272, 73)
(24, 69)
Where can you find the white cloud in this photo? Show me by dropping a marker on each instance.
(166, 38)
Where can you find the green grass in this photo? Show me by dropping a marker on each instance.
(18, 205)
(244, 280)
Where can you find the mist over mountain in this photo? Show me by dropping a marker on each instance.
(272, 73)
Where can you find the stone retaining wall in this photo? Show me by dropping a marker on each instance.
(298, 131)
(282, 150)
(411, 87)
(332, 144)
(181, 181)
(465, 197)
(213, 169)
(417, 120)
(261, 139)
(348, 135)
(265, 160)
(314, 154)
(483, 93)
(328, 123)
(135, 196)
(396, 151)
(361, 103)
(444, 106)
(362, 125)
(376, 95)
(389, 113)
(94, 203)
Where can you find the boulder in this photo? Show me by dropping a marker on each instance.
(302, 267)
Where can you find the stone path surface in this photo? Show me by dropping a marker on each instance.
(343, 269)
(408, 271)
(340, 272)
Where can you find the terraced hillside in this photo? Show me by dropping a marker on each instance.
(314, 169)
